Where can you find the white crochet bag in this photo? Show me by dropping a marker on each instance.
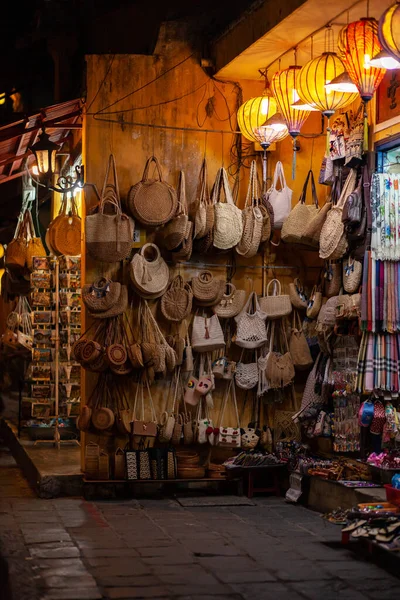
(251, 329)
(228, 225)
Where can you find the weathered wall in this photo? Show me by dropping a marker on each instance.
(111, 78)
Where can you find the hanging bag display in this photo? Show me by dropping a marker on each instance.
(153, 202)
(229, 437)
(275, 305)
(301, 215)
(333, 243)
(251, 329)
(149, 272)
(279, 369)
(231, 303)
(109, 237)
(298, 347)
(207, 334)
(252, 218)
(280, 199)
(228, 226)
(175, 231)
(312, 232)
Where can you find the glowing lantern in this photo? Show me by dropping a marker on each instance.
(284, 87)
(358, 42)
(253, 114)
(389, 30)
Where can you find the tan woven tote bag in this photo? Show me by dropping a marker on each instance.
(352, 273)
(153, 202)
(301, 215)
(228, 226)
(66, 232)
(279, 367)
(297, 295)
(15, 257)
(175, 231)
(333, 278)
(231, 303)
(332, 232)
(202, 225)
(207, 290)
(298, 347)
(275, 305)
(149, 271)
(109, 237)
(252, 218)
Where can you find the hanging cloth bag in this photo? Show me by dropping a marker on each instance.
(280, 200)
(333, 236)
(298, 347)
(153, 202)
(301, 215)
(251, 329)
(252, 218)
(228, 226)
(229, 437)
(109, 237)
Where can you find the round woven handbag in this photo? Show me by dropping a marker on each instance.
(91, 351)
(175, 231)
(78, 347)
(176, 303)
(66, 233)
(123, 369)
(117, 354)
(116, 309)
(152, 201)
(103, 418)
(252, 218)
(231, 303)
(99, 365)
(228, 226)
(207, 290)
(352, 273)
(102, 295)
(170, 358)
(149, 272)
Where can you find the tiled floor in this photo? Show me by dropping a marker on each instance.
(71, 549)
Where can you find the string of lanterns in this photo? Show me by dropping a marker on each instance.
(327, 83)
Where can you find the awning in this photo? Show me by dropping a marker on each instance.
(15, 138)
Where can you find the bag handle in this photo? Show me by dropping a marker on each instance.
(296, 318)
(277, 291)
(230, 389)
(110, 191)
(303, 195)
(222, 182)
(203, 184)
(252, 188)
(147, 167)
(279, 176)
(182, 202)
(348, 188)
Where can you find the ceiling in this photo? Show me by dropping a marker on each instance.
(291, 31)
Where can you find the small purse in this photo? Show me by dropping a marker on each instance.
(246, 376)
(352, 274)
(143, 427)
(229, 437)
(297, 295)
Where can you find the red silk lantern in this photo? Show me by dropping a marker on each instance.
(358, 42)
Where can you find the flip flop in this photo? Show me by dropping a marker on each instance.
(354, 525)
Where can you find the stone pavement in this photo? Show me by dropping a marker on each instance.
(71, 549)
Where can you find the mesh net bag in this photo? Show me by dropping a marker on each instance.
(251, 329)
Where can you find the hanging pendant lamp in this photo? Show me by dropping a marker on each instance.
(284, 87)
(253, 113)
(389, 30)
(358, 42)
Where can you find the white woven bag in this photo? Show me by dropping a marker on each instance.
(280, 200)
(228, 226)
(251, 329)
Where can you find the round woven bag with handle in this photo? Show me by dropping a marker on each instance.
(175, 231)
(207, 290)
(231, 303)
(228, 226)
(66, 234)
(149, 271)
(252, 218)
(152, 201)
(103, 418)
(176, 303)
(102, 295)
(352, 273)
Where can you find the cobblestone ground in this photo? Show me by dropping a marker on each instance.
(71, 549)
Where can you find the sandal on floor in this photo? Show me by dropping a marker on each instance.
(354, 525)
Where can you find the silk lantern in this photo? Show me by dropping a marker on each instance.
(389, 30)
(253, 114)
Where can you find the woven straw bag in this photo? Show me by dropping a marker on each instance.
(280, 200)
(204, 220)
(34, 246)
(327, 315)
(231, 303)
(298, 347)
(333, 278)
(175, 231)
(348, 306)
(312, 232)
(279, 368)
(352, 273)
(252, 218)
(66, 232)
(101, 295)
(109, 236)
(276, 305)
(301, 215)
(229, 437)
(285, 429)
(246, 376)
(207, 290)
(332, 230)
(15, 256)
(314, 303)
(149, 272)
(176, 303)
(251, 329)
(297, 295)
(153, 202)
(184, 251)
(228, 226)
(207, 334)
